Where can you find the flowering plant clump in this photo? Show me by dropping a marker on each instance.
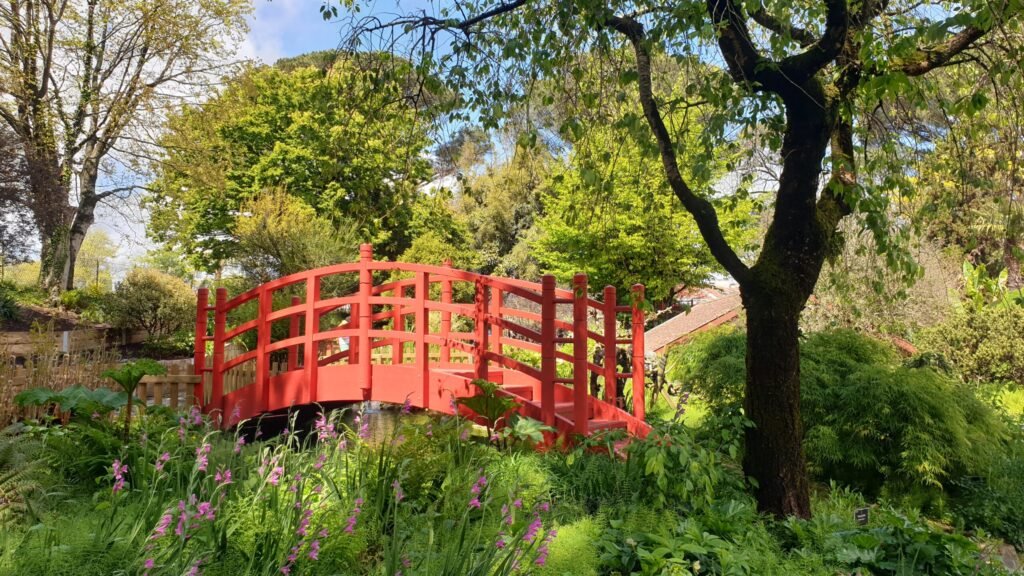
(324, 498)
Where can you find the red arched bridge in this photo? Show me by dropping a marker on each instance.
(422, 335)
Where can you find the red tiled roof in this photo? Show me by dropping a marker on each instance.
(702, 316)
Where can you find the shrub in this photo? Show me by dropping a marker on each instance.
(8, 305)
(983, 343)
(153, 301)
(869, 422)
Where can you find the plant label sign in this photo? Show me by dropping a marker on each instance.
(861, 516)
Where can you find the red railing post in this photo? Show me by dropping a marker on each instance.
(219, 320)
(265, 307)
(446, 317)
(548, 369)
(293, 331)
(199, 358)
(611, 324)
(639, 409)
(422, 327)
(581, 410)
(310, 346)
(495, 312)
(397, 350)
(365, 348)
(480, 328)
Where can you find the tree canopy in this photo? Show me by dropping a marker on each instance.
(345, 140)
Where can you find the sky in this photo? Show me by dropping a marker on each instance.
(277, 29)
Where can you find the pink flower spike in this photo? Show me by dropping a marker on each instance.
(474, 503)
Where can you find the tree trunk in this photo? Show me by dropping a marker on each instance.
(62, 240)
(774, 455)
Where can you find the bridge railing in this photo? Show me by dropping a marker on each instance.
(508, 317)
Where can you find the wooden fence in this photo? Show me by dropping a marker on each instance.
(175, 389)
(22, 344)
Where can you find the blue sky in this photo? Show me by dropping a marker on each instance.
(287, 28)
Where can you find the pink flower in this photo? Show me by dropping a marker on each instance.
(238, 444)
(324, 429)
(161, 526)
(119, 471)
(532, 529)
(148, 564)
(353, 518)
(314, 549)
(196, 416)
(205, 511)
(202, 454)
(275, 475)
(399, 495)
(162, 460)
(474, 503)
(320, 461)
(223, 478)
(407, 406)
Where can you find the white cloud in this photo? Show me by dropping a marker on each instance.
(269, 24)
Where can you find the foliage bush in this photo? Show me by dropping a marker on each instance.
(869, 422)
(984, 343)
(8, 304)
(153, 301)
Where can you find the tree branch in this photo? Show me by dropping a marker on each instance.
(701, 210)
(931, 57)
(768, 21)
(802, 66)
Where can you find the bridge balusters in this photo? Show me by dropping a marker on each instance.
(422, 327)
(480, 329)
(219, 320)
(365, 349)
(310, 347)
(265, 305)
(199, 357)
(610, 344)
(293, 331)
(547, 350)
(581, 411)
(639, 410)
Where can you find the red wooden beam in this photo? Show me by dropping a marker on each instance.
(639, 410)
(219, 320)
(548, 369)
(581, 411)
(311, 346)
(266, 306)
(610, 348)
(480, 329)
(446, 316)
(199, 358)
(362, 356)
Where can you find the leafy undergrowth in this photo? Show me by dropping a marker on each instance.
(181, 498)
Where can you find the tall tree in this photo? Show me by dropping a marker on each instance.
(796, 75)
(80, 81)
(15, 228)
(343, 139)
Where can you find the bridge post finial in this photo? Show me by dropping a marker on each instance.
(639, 410)
(366, 252)
(580, 370)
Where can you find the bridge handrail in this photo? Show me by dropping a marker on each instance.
(493, 321)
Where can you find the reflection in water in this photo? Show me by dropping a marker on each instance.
(383, 419)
